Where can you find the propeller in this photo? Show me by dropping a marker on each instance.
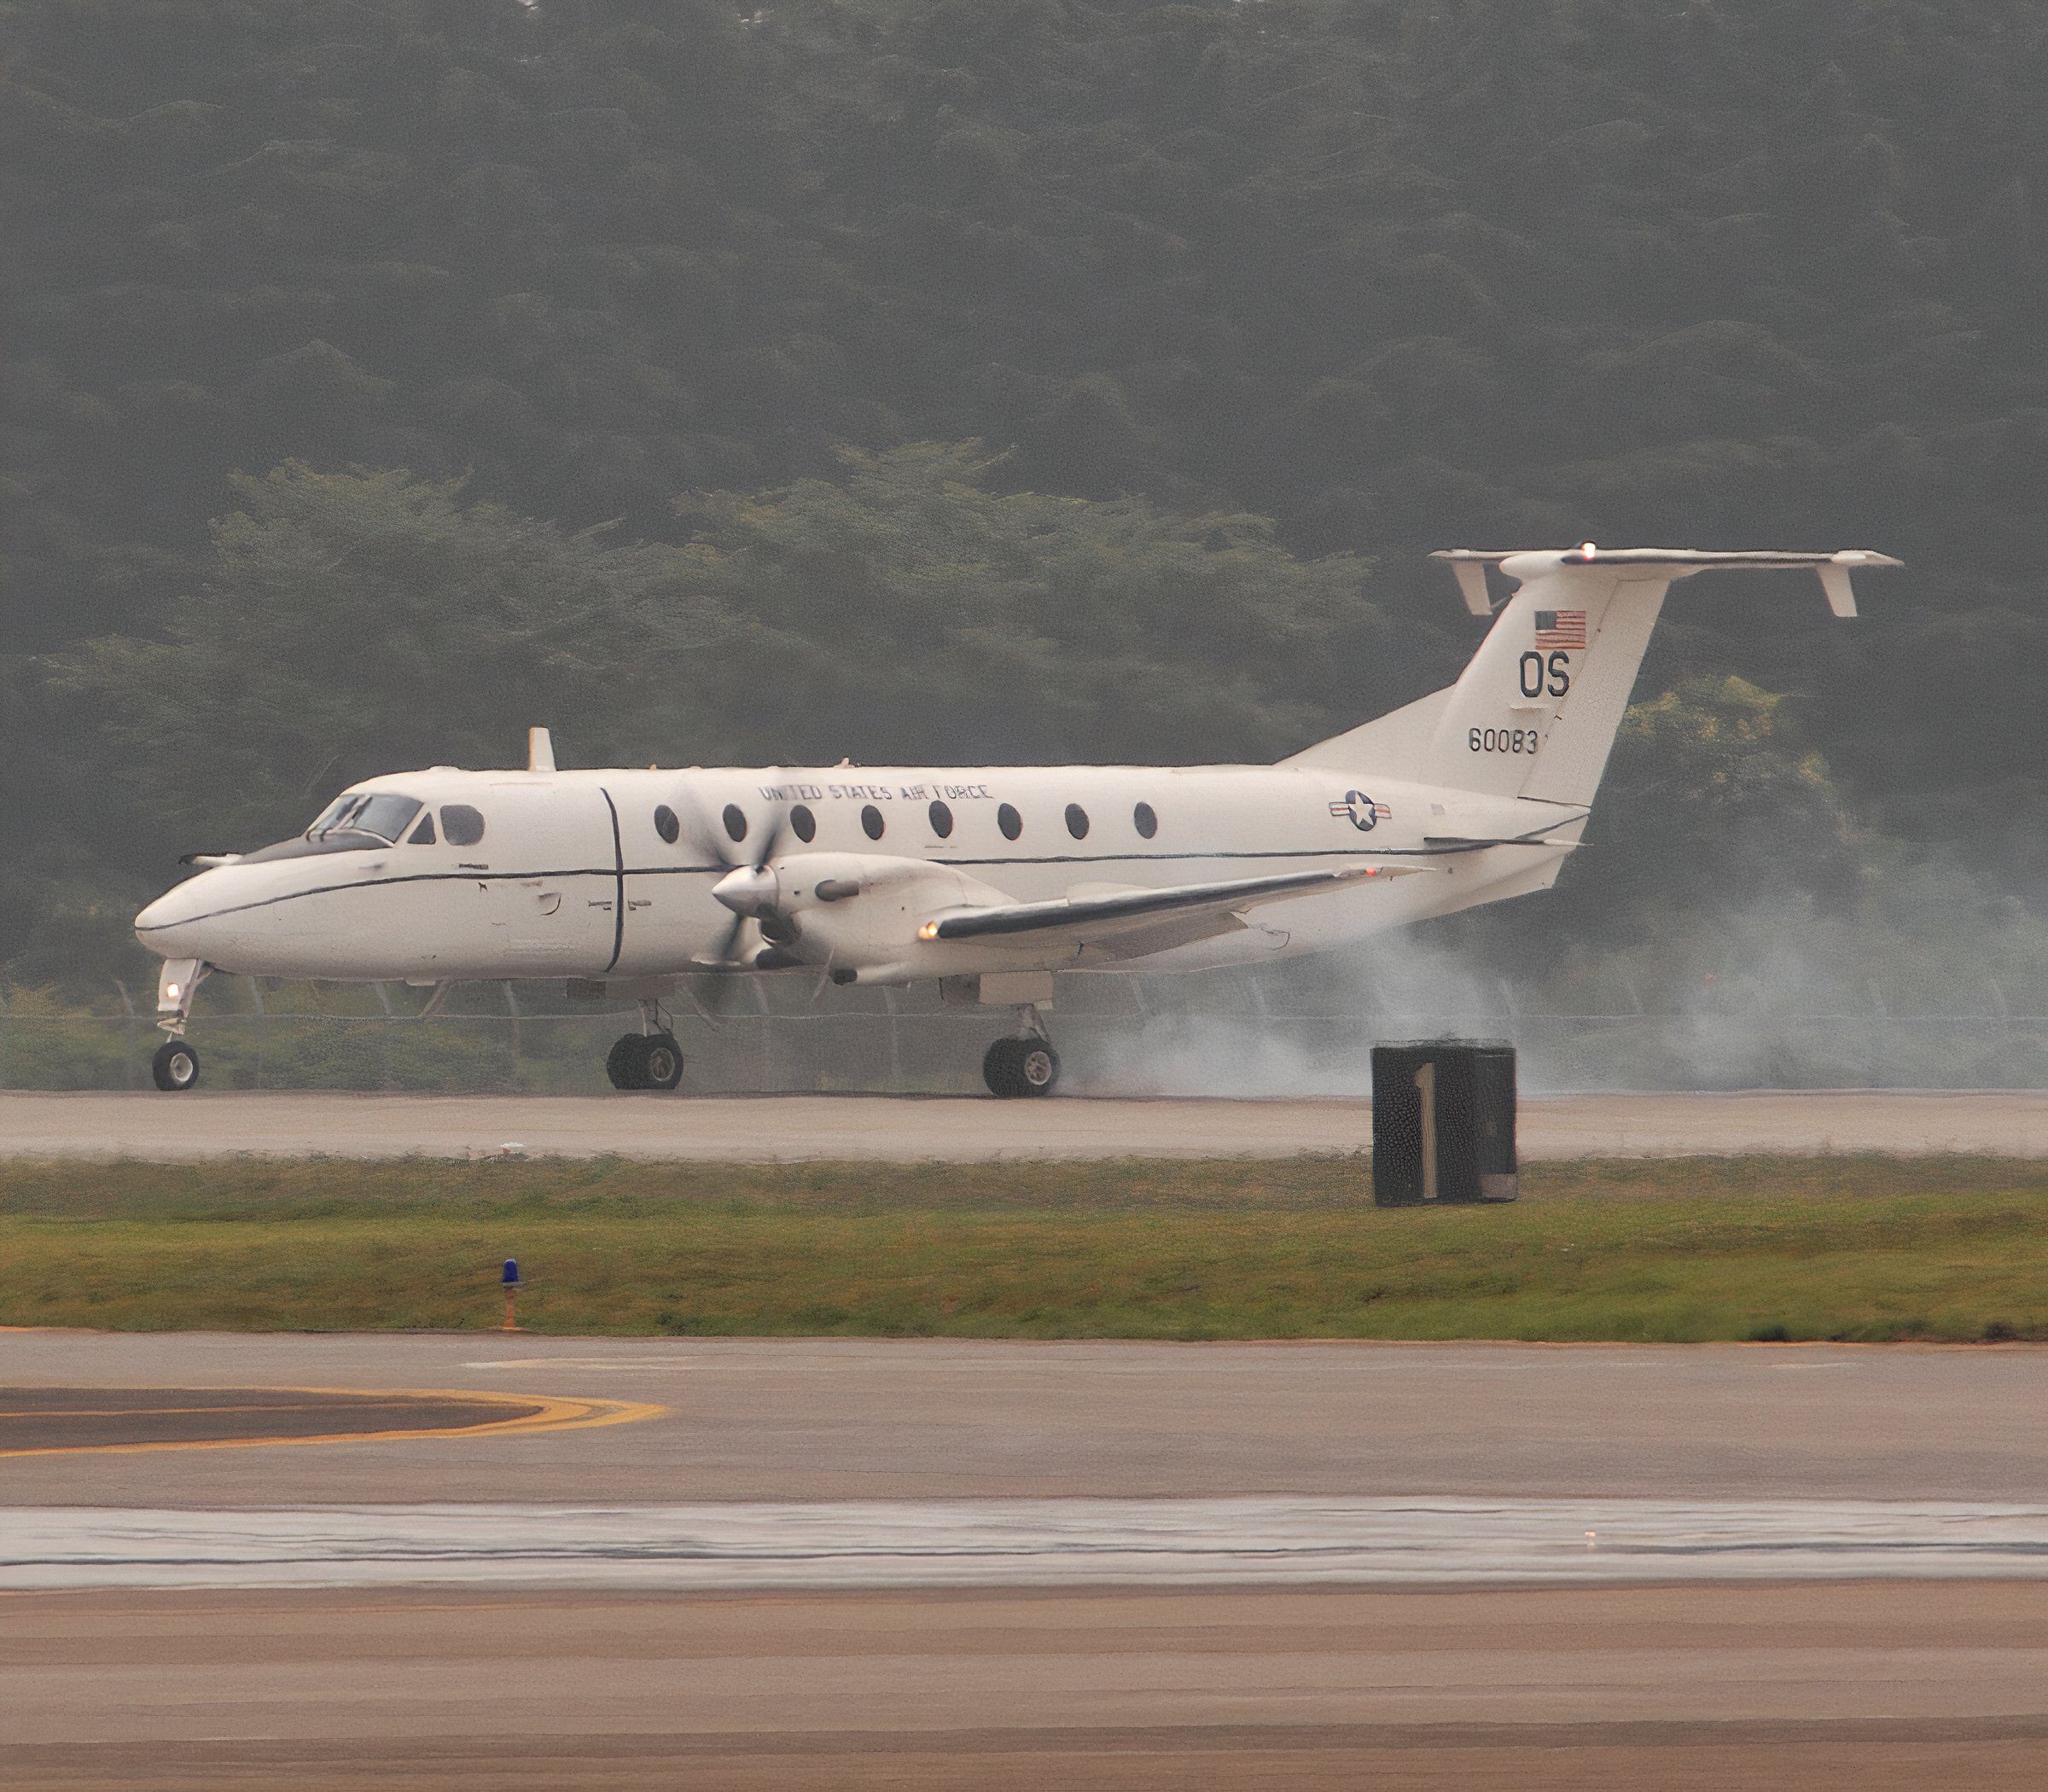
(749, 889)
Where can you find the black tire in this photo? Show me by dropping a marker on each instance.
(661, 1062)
(175, 1067)
(1013, 1068)
(626, 1063)
(999, 1069)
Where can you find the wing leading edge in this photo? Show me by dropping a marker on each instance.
(1115, 919)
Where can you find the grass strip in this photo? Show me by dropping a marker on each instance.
(1688, 1250)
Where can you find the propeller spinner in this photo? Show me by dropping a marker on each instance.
(750, 888)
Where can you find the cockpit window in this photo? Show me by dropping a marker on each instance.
(383, 815)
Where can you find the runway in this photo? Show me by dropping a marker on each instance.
(205, 1122)
(936, 1564)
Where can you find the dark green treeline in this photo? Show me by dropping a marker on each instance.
(1392, 275)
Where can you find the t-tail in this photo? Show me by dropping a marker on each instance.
(1536, 712)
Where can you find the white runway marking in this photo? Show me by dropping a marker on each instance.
(1027, 1542)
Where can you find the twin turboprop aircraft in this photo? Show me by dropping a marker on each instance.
(986, 881)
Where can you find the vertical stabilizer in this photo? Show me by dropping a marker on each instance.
(1535, 713)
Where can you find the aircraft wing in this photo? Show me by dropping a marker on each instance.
(1133, 921)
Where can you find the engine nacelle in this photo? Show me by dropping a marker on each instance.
(858, 913)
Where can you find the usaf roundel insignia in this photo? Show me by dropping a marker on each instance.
(1360, 811)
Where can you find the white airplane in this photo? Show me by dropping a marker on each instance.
(985, 879)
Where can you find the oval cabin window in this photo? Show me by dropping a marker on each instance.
(1144, 821)
(803, 824)
(870, 822)
(1077, 821)
(942, 821)
(666, 825)
(461, 825)
(1009, 822)
(736, 821)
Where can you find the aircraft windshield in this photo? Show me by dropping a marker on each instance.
(381, 814)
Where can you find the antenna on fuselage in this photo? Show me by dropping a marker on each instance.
(540, 750)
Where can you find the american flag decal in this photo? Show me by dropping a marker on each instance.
(1560, 629)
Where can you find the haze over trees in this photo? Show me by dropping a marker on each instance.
(1020, 379)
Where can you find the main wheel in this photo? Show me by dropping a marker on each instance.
(1038, 1065)
(626, 1064)
(175, 1067)
(661, 1062)
(1015, 1067)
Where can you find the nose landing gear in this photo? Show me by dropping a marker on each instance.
(648, 1059)
(1024, 1066)
(176, 1066)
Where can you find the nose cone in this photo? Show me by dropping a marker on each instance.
(171, 926)
(750, 890)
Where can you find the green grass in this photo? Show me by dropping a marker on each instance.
(1865, 1248)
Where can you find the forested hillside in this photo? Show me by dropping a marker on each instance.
(963, 378)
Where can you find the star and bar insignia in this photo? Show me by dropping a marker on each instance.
(1360, 811)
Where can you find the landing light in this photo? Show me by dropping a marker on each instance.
(928, 931)
(174, 991)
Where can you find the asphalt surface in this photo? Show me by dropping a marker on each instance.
(40, 1420)
(205, 1123)
(798, 1419)
(1871, 1684)
(1877, 1688)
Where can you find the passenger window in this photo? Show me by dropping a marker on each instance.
(1144, 821)
(423, 835)
(942, 821)
(803, 824)
(461, 825)
(736, 821)
(1077, 821)
(1009, 822)
(870, 822)
(666, 825)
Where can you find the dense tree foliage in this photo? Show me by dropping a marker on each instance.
(1393, 275)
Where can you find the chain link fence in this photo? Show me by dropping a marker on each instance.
(1219, 1035)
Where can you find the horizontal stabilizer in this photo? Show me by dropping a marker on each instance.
(1469, 565)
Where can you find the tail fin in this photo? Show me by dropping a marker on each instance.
(1535, 713)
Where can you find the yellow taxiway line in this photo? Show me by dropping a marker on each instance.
(551, 1413)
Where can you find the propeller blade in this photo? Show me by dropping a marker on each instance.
(730, 943)
(776, 828)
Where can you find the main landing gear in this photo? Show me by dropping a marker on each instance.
(648, 1059)
(1026, 1065)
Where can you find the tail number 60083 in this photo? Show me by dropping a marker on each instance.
(1503, 740)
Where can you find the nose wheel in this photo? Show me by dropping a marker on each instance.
(1023, 1067)
(175, 1067)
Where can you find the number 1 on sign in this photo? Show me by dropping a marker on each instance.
(1425, 1086)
